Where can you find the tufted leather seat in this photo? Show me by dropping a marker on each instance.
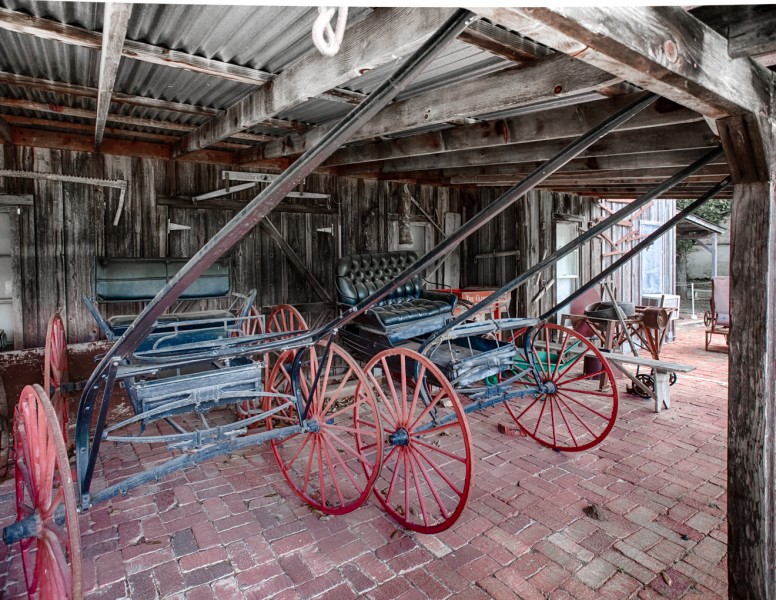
(359, 275)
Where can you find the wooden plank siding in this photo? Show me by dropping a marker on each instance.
(69, 224)
(529, 228)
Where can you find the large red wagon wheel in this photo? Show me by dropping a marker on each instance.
(427, 469)
(579, 408)
(55, 369)
(44, 489)
(334, 465)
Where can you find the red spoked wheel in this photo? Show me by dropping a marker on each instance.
(428, 465)
(334, 465)
(285, 317)
(579, 407)
(44, 490)
(55, 370)
(252, 324)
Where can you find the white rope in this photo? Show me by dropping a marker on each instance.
(326, 39)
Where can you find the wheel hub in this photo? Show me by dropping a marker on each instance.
(547, 387)
(400, 437)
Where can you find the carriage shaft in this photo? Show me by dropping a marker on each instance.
(187, 460)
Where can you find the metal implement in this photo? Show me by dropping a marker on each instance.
(118, 184)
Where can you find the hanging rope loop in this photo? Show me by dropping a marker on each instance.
(326, 39)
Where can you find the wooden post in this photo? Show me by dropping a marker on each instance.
(713, 254)
(749, 145)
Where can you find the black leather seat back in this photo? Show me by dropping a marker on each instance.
(359, 275)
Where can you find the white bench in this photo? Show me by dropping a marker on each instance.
(660, 369)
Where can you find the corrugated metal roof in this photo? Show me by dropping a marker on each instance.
(261, 37)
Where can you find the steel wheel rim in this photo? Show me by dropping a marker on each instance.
(41, 465)
(431, 475)
(578, 416)
(332, 469)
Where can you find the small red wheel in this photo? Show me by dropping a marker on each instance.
(580, 409)
(285, 317)
(427, 468)
(282, 318)
(252, 324)
(55, 369)
(334, 465)
(44, 489)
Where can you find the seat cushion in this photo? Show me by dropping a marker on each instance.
(723, 320)
(410, 310)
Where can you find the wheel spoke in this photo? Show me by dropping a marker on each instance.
(573, 412)
(431, 486)
(440, 472)
(331, 470)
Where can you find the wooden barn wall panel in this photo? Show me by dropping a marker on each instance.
(69, 224)
(530, 225)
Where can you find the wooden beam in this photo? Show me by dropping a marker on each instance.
(559, 123)
(231, 204)
(6, 136)
(552, 77)
(751, 484)
(679, 137)
(121, 98)
(752, 33)
(319, 290)
(377, 39)
(114, 27)
(501, 42)
(15, 199)
(37, 138)
(663, 49)
(70, 89)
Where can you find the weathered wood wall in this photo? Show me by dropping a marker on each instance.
(69, 224)
(528, 227)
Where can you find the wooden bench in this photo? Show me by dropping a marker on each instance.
(661, 370)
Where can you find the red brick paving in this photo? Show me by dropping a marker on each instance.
(232, 528)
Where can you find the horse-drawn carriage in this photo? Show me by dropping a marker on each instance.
(373, 401)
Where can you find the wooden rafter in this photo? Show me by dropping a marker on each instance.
(377, 39)
(752, 33)
(501, 42)
(679, 137)
(552, 77)
(663, 49)
(557, 123)
(115, 23)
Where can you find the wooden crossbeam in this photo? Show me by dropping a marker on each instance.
(549, 78)
(377, 39)
(663, 49)
(752, 32)
(680, 137)
(557, 123)
(501, 42)
(115, 23)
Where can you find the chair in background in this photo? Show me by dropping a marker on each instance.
(717, 319)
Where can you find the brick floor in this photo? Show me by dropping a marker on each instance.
(232, 527)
